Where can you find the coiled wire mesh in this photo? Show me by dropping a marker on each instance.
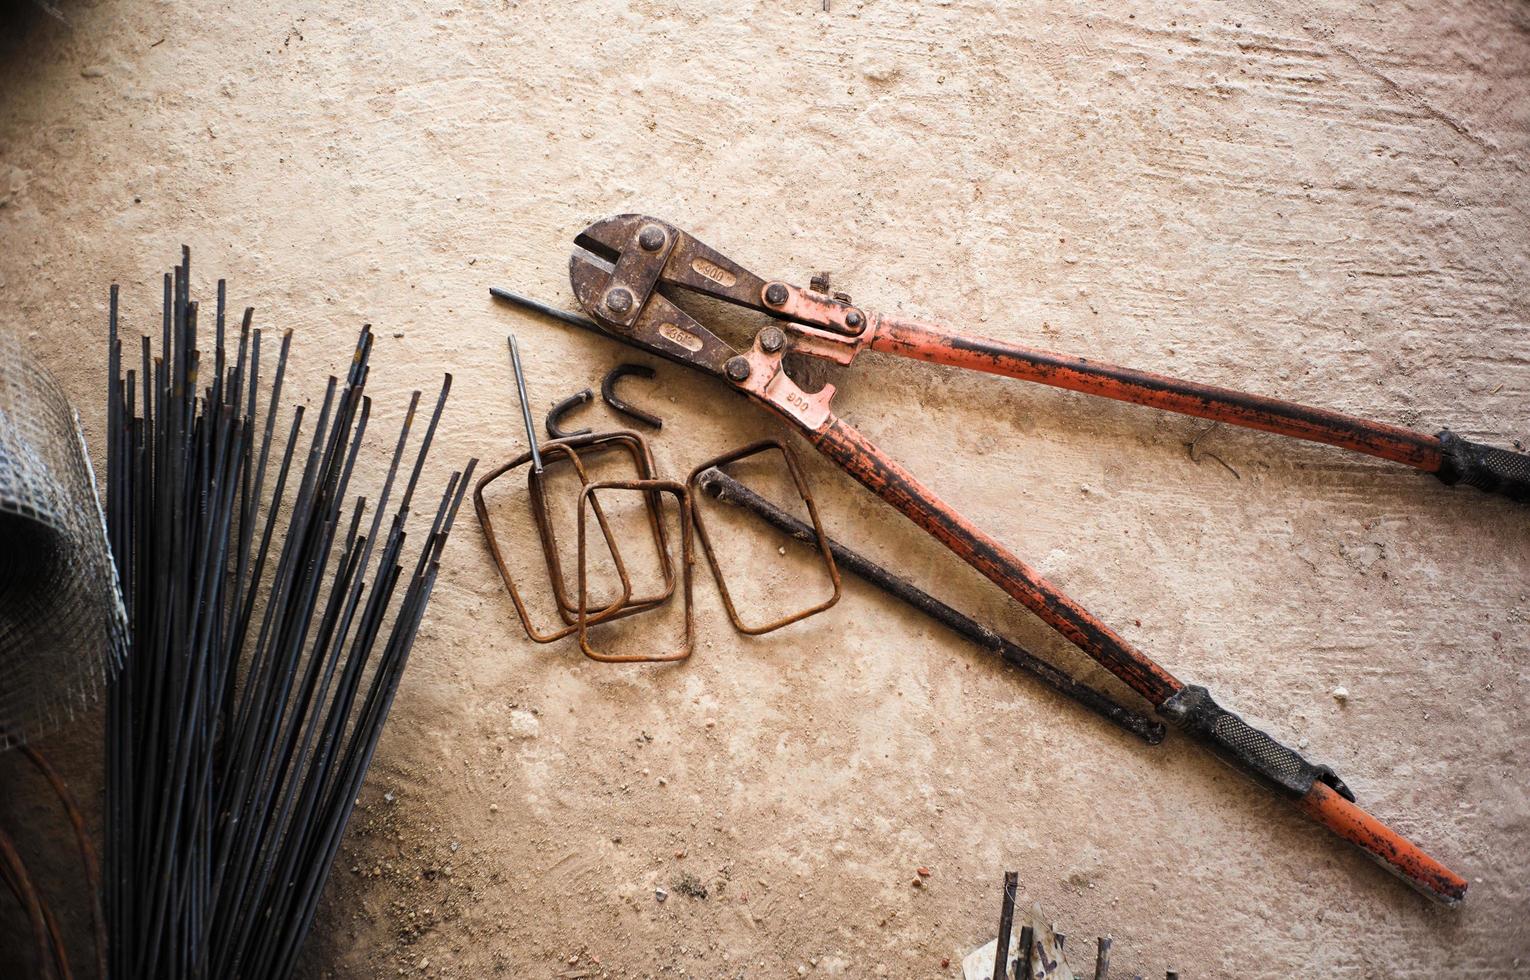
(63, 628)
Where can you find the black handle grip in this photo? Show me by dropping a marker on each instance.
(1194, 712)
(1484, 467)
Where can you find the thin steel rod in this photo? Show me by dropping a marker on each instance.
(520, 387)
(1006, 923)
(547, 310)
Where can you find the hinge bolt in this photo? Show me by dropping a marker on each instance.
(737, 368)
(772, 340)
(776, 294)
(618, 300)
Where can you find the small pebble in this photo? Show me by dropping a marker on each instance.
(1340, 694)
(493, 807)
(660, 894)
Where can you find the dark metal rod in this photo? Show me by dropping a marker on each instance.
(728, 490)
(1102, 958)
(520, 387)
(227, 796)
(424, 450)
(1027, 946)
(547, 310)
(1006, 923)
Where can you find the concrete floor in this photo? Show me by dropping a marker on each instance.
(1323, 201)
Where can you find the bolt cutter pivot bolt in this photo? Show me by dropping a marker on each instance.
(772, 340)
(651, 238)
(619, 300)
(737, 368)
(854, 318)
(776, 294)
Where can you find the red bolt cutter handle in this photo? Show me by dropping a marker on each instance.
(1322, 802)
(1391, 850)
(941, 345)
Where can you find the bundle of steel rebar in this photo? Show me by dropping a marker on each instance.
(241, 728)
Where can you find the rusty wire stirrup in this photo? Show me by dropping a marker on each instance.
(822, 540)
(480, 505)
(649, 489)
(643, 465)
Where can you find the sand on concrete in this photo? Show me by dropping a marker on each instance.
(1325, 201)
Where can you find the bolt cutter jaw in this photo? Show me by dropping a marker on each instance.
(650, 323)
(647, 255)
(626, 268)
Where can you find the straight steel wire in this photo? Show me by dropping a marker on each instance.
(236, 746)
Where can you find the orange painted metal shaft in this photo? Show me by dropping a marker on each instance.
(882, 475)
(1398, 854)
(941, 345)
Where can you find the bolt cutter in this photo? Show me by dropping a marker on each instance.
(627, 272)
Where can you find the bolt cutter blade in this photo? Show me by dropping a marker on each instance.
(606, 238)
(687, 262)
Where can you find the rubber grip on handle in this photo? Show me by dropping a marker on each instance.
(1196, 713)
(1390, 849)
(1487, 468)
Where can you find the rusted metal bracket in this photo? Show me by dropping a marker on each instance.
(819, 539)
(491, 539)
(649, 489)
(725, 488)
(641, 458)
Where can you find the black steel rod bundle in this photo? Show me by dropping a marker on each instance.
(241, 729)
